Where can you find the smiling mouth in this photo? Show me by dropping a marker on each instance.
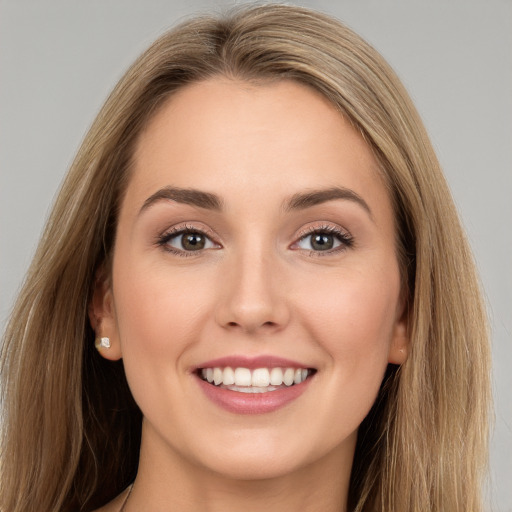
(259, 380)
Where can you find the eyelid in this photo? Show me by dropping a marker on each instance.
(321, 226)
(185, 227)
(189, 226)
(343, 235)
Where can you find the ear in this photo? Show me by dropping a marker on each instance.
(102, 315)
(400, 342)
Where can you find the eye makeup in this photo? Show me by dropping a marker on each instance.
(323, 240)
(185, 240)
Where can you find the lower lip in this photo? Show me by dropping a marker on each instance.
(252, 403)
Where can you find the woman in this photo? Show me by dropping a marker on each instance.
(253, 291)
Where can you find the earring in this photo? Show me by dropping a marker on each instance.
(102, 342)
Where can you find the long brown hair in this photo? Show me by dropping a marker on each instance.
(71, 430)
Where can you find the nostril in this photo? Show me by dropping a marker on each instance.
(265, 324)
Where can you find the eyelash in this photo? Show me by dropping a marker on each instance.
(163, 240)
(346, 240)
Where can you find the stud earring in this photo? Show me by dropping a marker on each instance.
(102, 342)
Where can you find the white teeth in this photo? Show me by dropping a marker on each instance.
(217, 376)
(243, 377)
(228, 377)
(260, 377)
(276, 376)
(288, 375)
(258, 380)
(252, 389)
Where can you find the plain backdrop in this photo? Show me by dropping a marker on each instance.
(60, 58)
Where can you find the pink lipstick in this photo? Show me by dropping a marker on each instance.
(253, 385)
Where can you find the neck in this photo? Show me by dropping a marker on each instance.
(167, 481)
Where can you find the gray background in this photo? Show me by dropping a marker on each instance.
(59, 59)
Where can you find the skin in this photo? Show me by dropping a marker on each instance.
(257, 288)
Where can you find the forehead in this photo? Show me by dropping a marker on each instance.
(227, 136)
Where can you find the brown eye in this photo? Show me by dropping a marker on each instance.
(193, 241)
(187, 241)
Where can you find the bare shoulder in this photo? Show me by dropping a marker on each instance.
(116, 504)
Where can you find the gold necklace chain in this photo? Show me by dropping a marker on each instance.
(126, 499)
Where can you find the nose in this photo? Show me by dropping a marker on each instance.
(253, 297)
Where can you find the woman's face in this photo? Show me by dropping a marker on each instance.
(255, 244)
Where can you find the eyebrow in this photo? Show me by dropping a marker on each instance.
(305, 200)
(210, 201)
(185, 196)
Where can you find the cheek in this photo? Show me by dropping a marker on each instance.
(155, 300)
(158, 315)
(353, 317)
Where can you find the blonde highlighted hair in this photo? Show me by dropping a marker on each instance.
(71, 430)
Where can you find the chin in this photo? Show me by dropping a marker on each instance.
(258, 457)
(253, 467)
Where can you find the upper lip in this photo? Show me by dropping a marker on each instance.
(262, 361)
